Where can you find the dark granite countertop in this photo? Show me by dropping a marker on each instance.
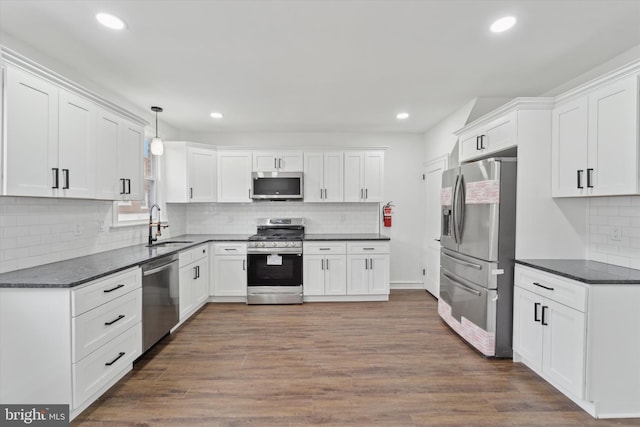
(590, 272)
(76, 271)
(352, 236)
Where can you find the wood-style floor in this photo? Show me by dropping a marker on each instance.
(360, 364)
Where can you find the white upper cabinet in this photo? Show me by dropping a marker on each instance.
(31, 144)
(323, 176)
(60, 142)
(76, 146)
(130, 162)
(488, 138)
(363, 176)
(189, 172)
(282, 161)
(595, 141)
(234, 176)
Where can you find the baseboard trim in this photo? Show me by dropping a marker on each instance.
(406, 285)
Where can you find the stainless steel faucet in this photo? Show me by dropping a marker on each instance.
(160, 226)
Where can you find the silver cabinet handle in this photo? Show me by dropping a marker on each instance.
(327, 264)
(362, 193)
(459, 261)
(280, 163)
(230, 249)
(275, 163)
(321, 193)
(321, 264)
(325, 249)
(370, 263)
(366, 193)
(244, 265)
(366, 264)
(325, 193)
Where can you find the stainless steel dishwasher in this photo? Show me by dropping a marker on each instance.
(160, 299)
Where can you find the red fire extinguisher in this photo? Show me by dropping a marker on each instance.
(386, 214)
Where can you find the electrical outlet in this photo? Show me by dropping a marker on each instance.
(616, 233)
(77, 230)
(101, 227)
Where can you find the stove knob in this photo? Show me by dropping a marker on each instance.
(261, 244)
(274, 244)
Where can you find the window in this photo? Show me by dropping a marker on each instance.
(137, 211)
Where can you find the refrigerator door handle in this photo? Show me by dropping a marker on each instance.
(453, 210)
(459, 261)
(462, 285)
(459, 208)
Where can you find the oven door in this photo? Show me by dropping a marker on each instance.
(274, 269)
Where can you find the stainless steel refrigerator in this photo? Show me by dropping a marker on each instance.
(477, 253)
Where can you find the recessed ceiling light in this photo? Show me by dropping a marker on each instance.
(110, 21)
(216, 115)
(402, 116)
(503, 24)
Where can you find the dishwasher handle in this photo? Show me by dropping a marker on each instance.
(158, 269)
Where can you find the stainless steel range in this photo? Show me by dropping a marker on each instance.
(274, 262)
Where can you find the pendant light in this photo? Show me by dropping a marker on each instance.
(157, 147)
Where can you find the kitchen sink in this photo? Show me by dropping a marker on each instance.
(170, 244)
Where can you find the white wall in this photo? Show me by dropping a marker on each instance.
(440, 140)
(403, 182)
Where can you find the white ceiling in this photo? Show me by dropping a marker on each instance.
(323, 65)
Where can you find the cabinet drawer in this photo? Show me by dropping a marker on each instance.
(369, 247)
(194, 254)
(106, 365)
(556, 288)
(100, 325)
(324, 248)
(230, 248)
(104, 290)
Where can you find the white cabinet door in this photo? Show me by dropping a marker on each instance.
(613, 138)
(201, 283)
(499, 134)
(130, 161)
(569, 154)
(333, 174)
(353, 176)
(234, 176)
(379, 274)
(187, 299)
(527, 327)
(76, 157)
(357, 274)
(564, 346)
(230, 275)
(31, 135)
(373, 176)
(290, 161)
(314, 177)
(201, 166)
(469, 146)
(335, 275)
(108, 132)
(313, 275)
(265, 161)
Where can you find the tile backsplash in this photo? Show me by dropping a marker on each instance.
(36, 231)
(614, 230)
(240, 218)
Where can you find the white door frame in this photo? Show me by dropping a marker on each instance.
(431, 280)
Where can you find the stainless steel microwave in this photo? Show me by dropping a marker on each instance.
(276, 185)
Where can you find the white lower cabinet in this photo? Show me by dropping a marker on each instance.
(346, 271)
(194, 280)
(229, 272)
(582, 338)
(69, 345)
(324, 269)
